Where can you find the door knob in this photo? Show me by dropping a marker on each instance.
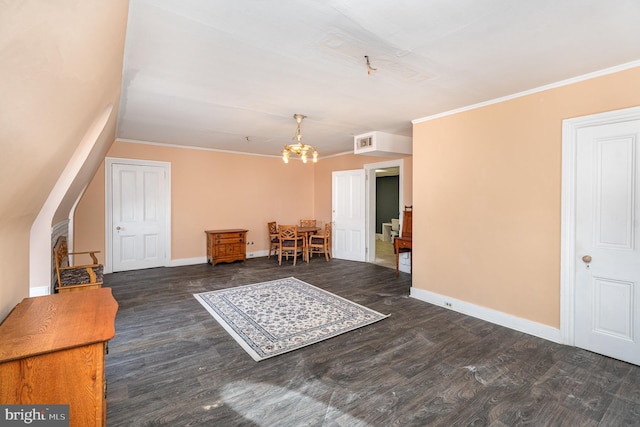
(586, 259)
(118, 228)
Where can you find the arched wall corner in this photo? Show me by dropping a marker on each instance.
(66, 191)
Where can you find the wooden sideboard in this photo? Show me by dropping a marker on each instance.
(403, 243)
(226, 245)
(52, 351)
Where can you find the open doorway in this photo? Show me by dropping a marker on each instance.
(384, 207)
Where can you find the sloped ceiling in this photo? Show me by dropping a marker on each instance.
(230, 74)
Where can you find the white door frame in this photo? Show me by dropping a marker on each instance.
(370, 195)
(108, 223)
(570, 129)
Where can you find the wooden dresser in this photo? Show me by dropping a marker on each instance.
(226, 245)
(52, 351)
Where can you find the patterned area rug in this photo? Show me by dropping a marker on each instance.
(271, 318)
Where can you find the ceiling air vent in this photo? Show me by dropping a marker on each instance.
(382, 145)
(364, 142)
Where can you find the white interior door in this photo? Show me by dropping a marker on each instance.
(139, 218)
(349, 215)
(607, 258)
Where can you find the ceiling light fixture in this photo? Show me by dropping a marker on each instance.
(299, 148)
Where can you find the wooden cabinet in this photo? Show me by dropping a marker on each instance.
(52, 351)
(226, 245)
(404, 242)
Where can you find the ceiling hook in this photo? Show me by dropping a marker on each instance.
(369, 67)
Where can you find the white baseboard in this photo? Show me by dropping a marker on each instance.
(187, 261)
(39, 291)
(257, 254)
(497, 317)
(203, 260)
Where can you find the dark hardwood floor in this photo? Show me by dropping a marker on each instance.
(172, 364)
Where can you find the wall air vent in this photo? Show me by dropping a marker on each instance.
(382, 144)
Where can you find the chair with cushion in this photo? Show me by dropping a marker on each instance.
(307, 223)
(73, 278)
(274, 239)
(291, 243)
(321, 243)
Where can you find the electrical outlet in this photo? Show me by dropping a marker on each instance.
(448, 304)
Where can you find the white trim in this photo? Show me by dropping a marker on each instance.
(561, 83)
(193, 147)
(203, 260)
(60, 229)
(108, 223)
(497, 317)
(181, 262)
(570, 128)
(258, 254)
(39, 291)
(242, 153)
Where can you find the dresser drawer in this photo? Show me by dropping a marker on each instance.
(222, 239)
(229, 235)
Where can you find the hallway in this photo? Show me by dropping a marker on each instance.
(384, 254)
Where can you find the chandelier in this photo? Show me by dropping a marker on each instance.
(299, 148)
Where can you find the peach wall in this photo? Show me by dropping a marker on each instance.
(325, 167)
(210, 190)
(487, 208)
(61, 67)
(223, 190)
(89, 218)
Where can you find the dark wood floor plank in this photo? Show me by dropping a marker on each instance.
(172, 364)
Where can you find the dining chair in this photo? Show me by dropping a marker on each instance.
(321, 243)
(307, 223)
(274, 239)
(72, 278)
(290, 243)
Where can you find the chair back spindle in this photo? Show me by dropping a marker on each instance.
(321, 243)
(274, 240)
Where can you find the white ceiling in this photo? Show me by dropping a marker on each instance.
(230, 74)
